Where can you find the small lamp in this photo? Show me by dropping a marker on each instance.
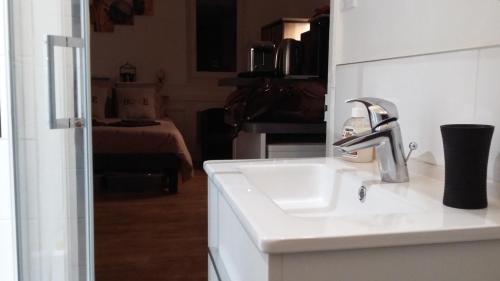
(128, 72)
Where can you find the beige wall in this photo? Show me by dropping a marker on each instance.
(166, 41)
(152, 43)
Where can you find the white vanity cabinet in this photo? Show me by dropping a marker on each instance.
(231, 251)
(251, 239)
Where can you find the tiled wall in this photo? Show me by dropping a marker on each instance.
(394, 28)
(431, 90)
(7, 244)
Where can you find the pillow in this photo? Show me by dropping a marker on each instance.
(136, 103)
(99, 98)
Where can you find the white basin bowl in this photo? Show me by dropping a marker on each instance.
(301, 205)
(316, 190)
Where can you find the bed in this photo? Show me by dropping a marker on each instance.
(146, 146)
(146, 149)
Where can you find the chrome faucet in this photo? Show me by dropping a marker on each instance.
(385, 136)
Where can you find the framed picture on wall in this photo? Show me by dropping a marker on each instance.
(144, 7)
(99, 16)
(121, 11)
(105, 14)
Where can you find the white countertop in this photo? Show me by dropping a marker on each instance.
(274, 231)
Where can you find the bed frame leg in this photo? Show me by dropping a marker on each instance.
(173, 181)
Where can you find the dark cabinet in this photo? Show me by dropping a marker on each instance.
(214, 135)
(315, 46)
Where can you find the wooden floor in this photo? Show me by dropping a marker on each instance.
(152, 236)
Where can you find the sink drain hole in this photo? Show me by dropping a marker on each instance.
(362, 194)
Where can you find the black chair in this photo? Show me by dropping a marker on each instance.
(214, 135)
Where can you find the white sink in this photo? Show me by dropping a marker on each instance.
(316, 190)
(313, 205)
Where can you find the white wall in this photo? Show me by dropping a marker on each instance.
(391, 28)
(166, 41)
(7, 216)
(429, 90)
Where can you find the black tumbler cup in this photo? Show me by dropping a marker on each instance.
(466, 150)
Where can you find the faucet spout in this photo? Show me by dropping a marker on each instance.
(385, 137)
(359, 142)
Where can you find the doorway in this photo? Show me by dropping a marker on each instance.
(141, 223)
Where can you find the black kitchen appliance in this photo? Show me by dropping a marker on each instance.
(288, 59)
(261, 57)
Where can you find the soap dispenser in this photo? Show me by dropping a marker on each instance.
(356, 125)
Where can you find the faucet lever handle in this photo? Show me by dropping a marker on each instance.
(380, 111)
(413, 146)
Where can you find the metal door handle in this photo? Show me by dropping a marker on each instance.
(77, 44)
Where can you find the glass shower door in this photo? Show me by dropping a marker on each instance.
(52, 139)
